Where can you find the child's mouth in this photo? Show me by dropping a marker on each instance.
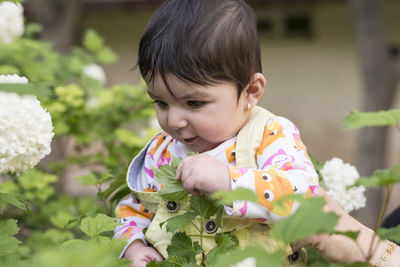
(190, 140)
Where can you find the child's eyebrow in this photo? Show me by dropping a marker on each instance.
(197, 94)
(191, 95)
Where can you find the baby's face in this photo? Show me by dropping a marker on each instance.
(201, 117)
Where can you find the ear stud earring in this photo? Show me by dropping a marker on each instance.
(249, 106)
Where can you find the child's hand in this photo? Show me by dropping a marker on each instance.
(339, 248)
(139, 254)
(203, 174)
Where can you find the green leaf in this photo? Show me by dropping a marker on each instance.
(352, 235)
(117, 183)
(106, 177)
(8, 69)
(177, 222)
(357, 119)
(389, 233)
(309, 219)
(54, 237)
(61, 219)
(182, 246)
(14, 1)
(227, 197)
(87, 179)
(8, 244)
(224, 243)
(226, 240)
(173, 262)
(106, 55)
(94, 227)
(380, 178)
(72, 243)
(82, 253)
(314, 258)
(318, 166)
(218, 216)
(37, 185)
(191, 264)
(32, 28)
(166, 176)
(9, 199)
(39, 89)
(261, 257)
(8, 228)
(92, 41)
(177, 261)
(203, 206)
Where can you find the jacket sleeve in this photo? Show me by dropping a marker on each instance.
(133, 216)
(284, 168)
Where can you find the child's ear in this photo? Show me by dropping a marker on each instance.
(255, 89)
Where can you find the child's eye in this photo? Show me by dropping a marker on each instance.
(196, 103)
(160, 104)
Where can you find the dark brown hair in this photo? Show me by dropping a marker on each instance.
(201, 42)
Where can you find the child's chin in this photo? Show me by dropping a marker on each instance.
(202, 148)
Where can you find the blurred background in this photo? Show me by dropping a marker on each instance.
(321, 58)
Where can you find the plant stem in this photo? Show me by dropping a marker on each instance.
(387, 193)
(108, 210)
(201, 231)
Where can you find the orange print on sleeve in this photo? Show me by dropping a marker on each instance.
(230, 153)
(237, 172)
(127, 211)
(272, 185)
(272, 132)
(150, 189)
(160, 139)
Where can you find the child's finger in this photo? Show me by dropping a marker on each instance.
(183, 171)
(178, 175)
(190, 185)
(158, 257)
(178, 172)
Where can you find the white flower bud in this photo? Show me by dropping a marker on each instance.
(11, 21)
(95, 72)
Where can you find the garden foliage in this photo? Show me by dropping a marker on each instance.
(40, 225)
(107, 126)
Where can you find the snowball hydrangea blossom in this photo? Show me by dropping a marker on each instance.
(13, 78)
(95, 72)
(11, 21)
(337, 175)
(26, 132)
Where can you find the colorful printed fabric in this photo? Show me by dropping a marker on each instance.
(284, 168)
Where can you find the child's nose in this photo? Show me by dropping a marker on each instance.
(177, 118)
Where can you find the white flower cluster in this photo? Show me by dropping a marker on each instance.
(11, 21)
(13, 78)
(26, 131)
(95, 72)
(336, 177)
